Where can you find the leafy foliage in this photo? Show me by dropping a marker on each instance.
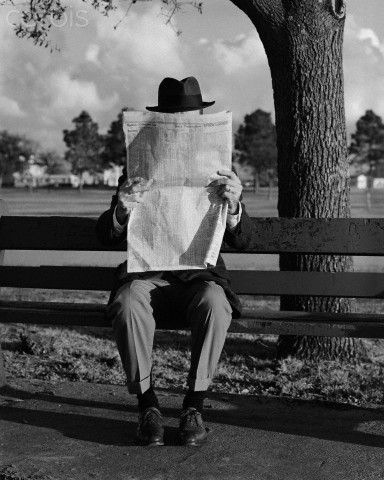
(38, 16)
(255, 142)
(114, 143)
(14, 151)
(367, 146)
(55, 163)
(85, 144)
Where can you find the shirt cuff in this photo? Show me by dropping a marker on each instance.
(233, 220)
(118, 229)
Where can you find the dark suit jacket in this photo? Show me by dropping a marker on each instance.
(239, 238)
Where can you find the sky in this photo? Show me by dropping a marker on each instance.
(101, 69)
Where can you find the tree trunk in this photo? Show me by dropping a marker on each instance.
(303, 41)
(81, 183)
(270, 188)
(369, 190)
(368, 199)
(256, 183)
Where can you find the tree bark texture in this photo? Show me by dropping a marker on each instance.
(303, 41)
(256, 184)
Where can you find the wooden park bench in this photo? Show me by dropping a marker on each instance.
(274, 236)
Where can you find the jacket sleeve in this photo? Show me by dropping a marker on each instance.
(104, 225)
(240, 238)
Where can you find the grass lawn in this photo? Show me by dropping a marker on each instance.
(248, 363)
(93, 202)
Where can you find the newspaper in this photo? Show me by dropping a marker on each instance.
(180, 224)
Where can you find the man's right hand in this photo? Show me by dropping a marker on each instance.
(130, 194)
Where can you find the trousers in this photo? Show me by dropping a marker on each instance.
(139, 304)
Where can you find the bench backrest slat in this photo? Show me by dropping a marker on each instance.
(272, 235)
(348, 284)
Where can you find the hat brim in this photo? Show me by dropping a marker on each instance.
(179, 109)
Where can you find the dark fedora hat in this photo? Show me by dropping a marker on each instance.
(179, 96)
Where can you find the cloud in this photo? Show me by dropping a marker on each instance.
(8, 106)
(234, 72)
(102, 69)
(244, 52)
(373, 39)
(99, 68)
(363, 71)
(69, 93)
(92, 54)
(141, 41)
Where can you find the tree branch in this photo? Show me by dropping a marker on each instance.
(245, 5)
(169, 8)
(269, 10)
(36, 17)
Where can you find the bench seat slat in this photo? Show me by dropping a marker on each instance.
(357, 236)
(261, 322)
(343, 284)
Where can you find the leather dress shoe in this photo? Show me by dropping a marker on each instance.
(150, 430)
(192, 431)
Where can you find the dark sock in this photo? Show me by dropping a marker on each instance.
(195, 400)
(147, 399)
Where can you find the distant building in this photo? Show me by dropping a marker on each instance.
(33, 176)
(378, 183)
(362, 182)
(111, 175)
(63, 179)
(26, 179)
(88, 178)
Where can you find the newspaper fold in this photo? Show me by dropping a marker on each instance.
(180, 224)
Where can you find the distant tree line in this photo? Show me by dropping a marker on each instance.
(87, 149)
(254, 148)
(255, 145)
(367, 146)
(14, 149)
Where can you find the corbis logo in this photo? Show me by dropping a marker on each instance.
(69, 17)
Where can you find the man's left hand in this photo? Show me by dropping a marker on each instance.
(229, 188)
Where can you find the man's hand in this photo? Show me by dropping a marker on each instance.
(229, 188)
(131, 193)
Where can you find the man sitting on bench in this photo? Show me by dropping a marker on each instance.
(202, 297)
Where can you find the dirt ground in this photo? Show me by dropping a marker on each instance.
(86, 431)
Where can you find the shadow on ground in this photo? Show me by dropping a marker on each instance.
(76, 431)
(315, 419)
